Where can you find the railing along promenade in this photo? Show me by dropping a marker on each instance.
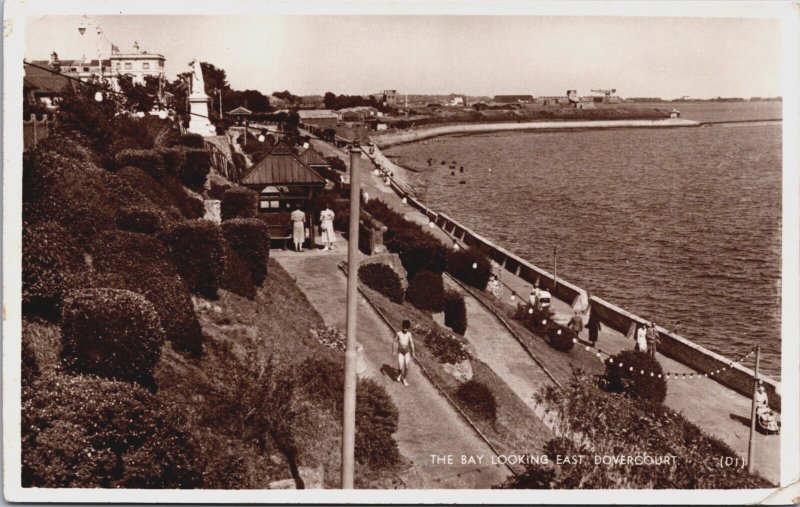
(731, 375)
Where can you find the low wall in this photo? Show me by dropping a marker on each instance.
(735, 377)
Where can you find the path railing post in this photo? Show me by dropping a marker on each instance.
(349, 416)
(751, 447)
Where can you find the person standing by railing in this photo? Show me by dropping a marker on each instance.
(652, 339)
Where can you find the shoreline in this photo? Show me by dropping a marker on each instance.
(409, 136)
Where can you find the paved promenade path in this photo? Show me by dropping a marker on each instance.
(714, 408)
(428, 424)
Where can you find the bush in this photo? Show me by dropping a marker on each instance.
(418, 250)
(51, 258)
(196, 247)
(560, 337)
(217, 189)
(471, 266)
(198, 165)
(455, 312)
(149, 160)
(479, 399)
(239, 202)
(174, 161)
(383, 279)
(191, 141)
(249, 238)
(632, 381)
(376, 423)
(236, 275)
(426, 291)
(140, 219)
(535, 319)
(376, 413)
(111, 333)
(86, 432)
(445, 347)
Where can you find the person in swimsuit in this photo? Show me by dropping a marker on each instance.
(403, 346)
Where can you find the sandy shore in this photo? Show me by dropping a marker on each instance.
(393, 138)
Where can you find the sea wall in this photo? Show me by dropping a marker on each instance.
(731, 375)
(393, 138)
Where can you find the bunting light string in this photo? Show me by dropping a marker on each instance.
(667, 375)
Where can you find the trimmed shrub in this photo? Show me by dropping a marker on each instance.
(149, 160)
(198, 165)
(111, 333)
(236, 275)
(239, 202)
(560, 337)
(426, 291)
(376, 422)
(139, 219)
(30, 369)
(174, 161)
(86, 432)
(51, 259)
(445, 347)
(471, 266)
(629, 378)
(249, 238)
(191, 141)
(479, 399)
(455, 312)
(383, 279)
(197, 249)
(535, 319)
(418, 250)
(217, 189)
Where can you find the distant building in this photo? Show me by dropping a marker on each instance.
(358, 113)
(137, 65)
(41, 86)
(507, 99)
(321, 118)
(390, 98)
(458, 100)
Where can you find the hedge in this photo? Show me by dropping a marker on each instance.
(87, 432)
(174, 161)
(418, 250)
(239, 202)
(191, 141)
(196, 247)
(217, 190)
(141, 219)
(198, 165)
(51, 258)
(111, 333)
(471, 266)
(629, 378)
(383, 279)
(236, 275)
(249, 238)
(149, 160)
(479, 399)
(426, 291)
(445, 347)
(455, 312)
(560, 337)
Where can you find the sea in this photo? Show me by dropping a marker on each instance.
(680, 226)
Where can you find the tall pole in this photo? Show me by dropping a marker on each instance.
(349, 416)
(555, 266)
(751, 447)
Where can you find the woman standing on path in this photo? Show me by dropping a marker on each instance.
(326, 221)
(403, 346)
(641, 339)
(594, 326)
(298, 219)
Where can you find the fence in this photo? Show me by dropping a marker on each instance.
(731, 375)
(35, 130)
(220, 162)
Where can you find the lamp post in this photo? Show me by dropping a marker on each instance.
(349, 415)
(751, 445)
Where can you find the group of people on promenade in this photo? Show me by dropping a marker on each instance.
(300, 232)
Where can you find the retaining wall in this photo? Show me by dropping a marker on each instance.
(678, 348)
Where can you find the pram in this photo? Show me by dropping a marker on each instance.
(766, 422)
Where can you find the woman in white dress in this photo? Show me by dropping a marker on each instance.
(326, 221)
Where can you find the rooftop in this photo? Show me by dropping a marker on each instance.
(282, 167)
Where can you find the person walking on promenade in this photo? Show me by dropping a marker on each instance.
(533, 299)
(494, 287)
(403, 347)
(594, 326)
(576, 323)
(298, 219)
(641, 339)
(326, 222)
(652, 339)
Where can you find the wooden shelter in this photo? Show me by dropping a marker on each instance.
(283, 180)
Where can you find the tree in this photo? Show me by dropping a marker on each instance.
(137, 96)
(287, 96)
(214, 78)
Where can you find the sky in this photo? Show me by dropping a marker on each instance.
(473, 55)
